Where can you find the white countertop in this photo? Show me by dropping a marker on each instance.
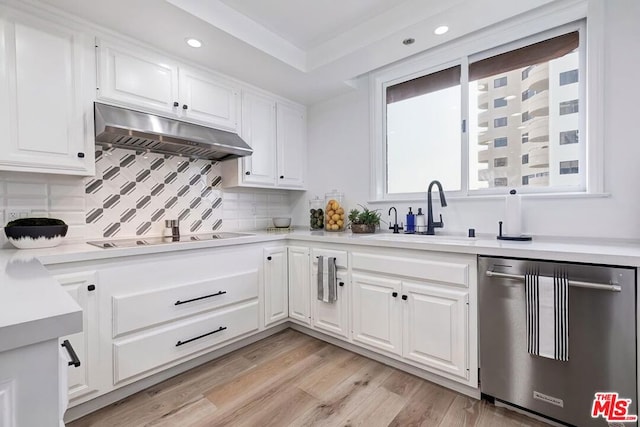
(33, 307)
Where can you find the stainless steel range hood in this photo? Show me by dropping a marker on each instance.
(134, 130)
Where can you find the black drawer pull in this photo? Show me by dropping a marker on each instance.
(404, 297)
(199, 298)
(91, 288)
(176, 104)
(395, 294)
(220, 329)
(341, 284)
(81, 155)
(75, 361)
(268, 258)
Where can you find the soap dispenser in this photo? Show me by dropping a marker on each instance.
(411, 222)
(421, 223)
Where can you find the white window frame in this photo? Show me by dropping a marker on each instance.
(532, 27)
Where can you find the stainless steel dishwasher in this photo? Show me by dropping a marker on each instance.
(602, 340)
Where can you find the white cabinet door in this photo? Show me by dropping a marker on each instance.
(299, 284)
(137, 78)
(208, 100)
(43, 117)
(377, 312)
(82, 288)
(435, 327)
(332, 317)
(276, 293)
(292, 136)
(259, 130)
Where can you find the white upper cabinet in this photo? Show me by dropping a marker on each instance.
(276, 131)
(208, 100)
(291, 146)
(140, 79)
(45, 118)
(259, 131)
(136, 78)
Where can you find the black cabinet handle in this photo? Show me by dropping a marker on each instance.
(75, 361)
(176, 104)
(81, 155)
(404, 297)
(247, 173)
(281, 176)
(91, 288)
(341, 284)
(185, 106)
(268, 258)
(220, 329)
(199, 298)
(395, 294)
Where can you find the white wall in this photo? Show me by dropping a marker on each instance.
(338, 132)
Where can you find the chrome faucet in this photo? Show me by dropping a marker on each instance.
(431, 225)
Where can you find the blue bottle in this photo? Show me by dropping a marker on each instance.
(411, 222)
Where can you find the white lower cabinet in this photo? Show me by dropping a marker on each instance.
(83, 379)
(276, 293)
(142, 353)
(435, 325)
(299, 284)
(377, 312)
(332, 317)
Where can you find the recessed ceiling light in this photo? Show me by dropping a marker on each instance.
(193, 42)
(441, 30)
(408, 41)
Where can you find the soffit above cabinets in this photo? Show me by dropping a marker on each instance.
(304, 50)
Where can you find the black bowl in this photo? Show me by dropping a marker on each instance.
(36, 236)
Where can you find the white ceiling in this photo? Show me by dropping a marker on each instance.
(305, 50)
(309, 23)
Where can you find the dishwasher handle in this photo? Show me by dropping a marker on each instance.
(613, 287)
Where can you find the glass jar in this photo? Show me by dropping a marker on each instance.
(316, 214)
(335, 218)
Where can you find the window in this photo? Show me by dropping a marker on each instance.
(418, 126)
(424, 138)
(500, 162)
(499, 122)
(500, 142)
(569, 137)
(500, 82)
(500, 182)
(568, 107)
(528, 94)
(569, 167)
(499, 102)
(568, 77)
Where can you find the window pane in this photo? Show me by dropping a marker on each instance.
(423, 134)
(500, 142)
(500, 102)
(568, 167)
(569, 137)
(568, 77)
(538, 121)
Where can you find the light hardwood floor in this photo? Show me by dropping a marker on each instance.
(291, 379)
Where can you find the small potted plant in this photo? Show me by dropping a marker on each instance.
(364, 221)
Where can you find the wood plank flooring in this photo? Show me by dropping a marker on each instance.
(291, 379)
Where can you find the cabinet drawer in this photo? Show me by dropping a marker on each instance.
(175, 302)
(340, 256)
(443, 271)
(134, 356)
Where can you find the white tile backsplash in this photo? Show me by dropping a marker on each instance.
(67, 198)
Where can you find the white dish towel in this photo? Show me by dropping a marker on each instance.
(547, 311)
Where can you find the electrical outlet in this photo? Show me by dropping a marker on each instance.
(12, 214)
(254, 209)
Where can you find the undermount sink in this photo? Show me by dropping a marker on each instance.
(419, 238)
